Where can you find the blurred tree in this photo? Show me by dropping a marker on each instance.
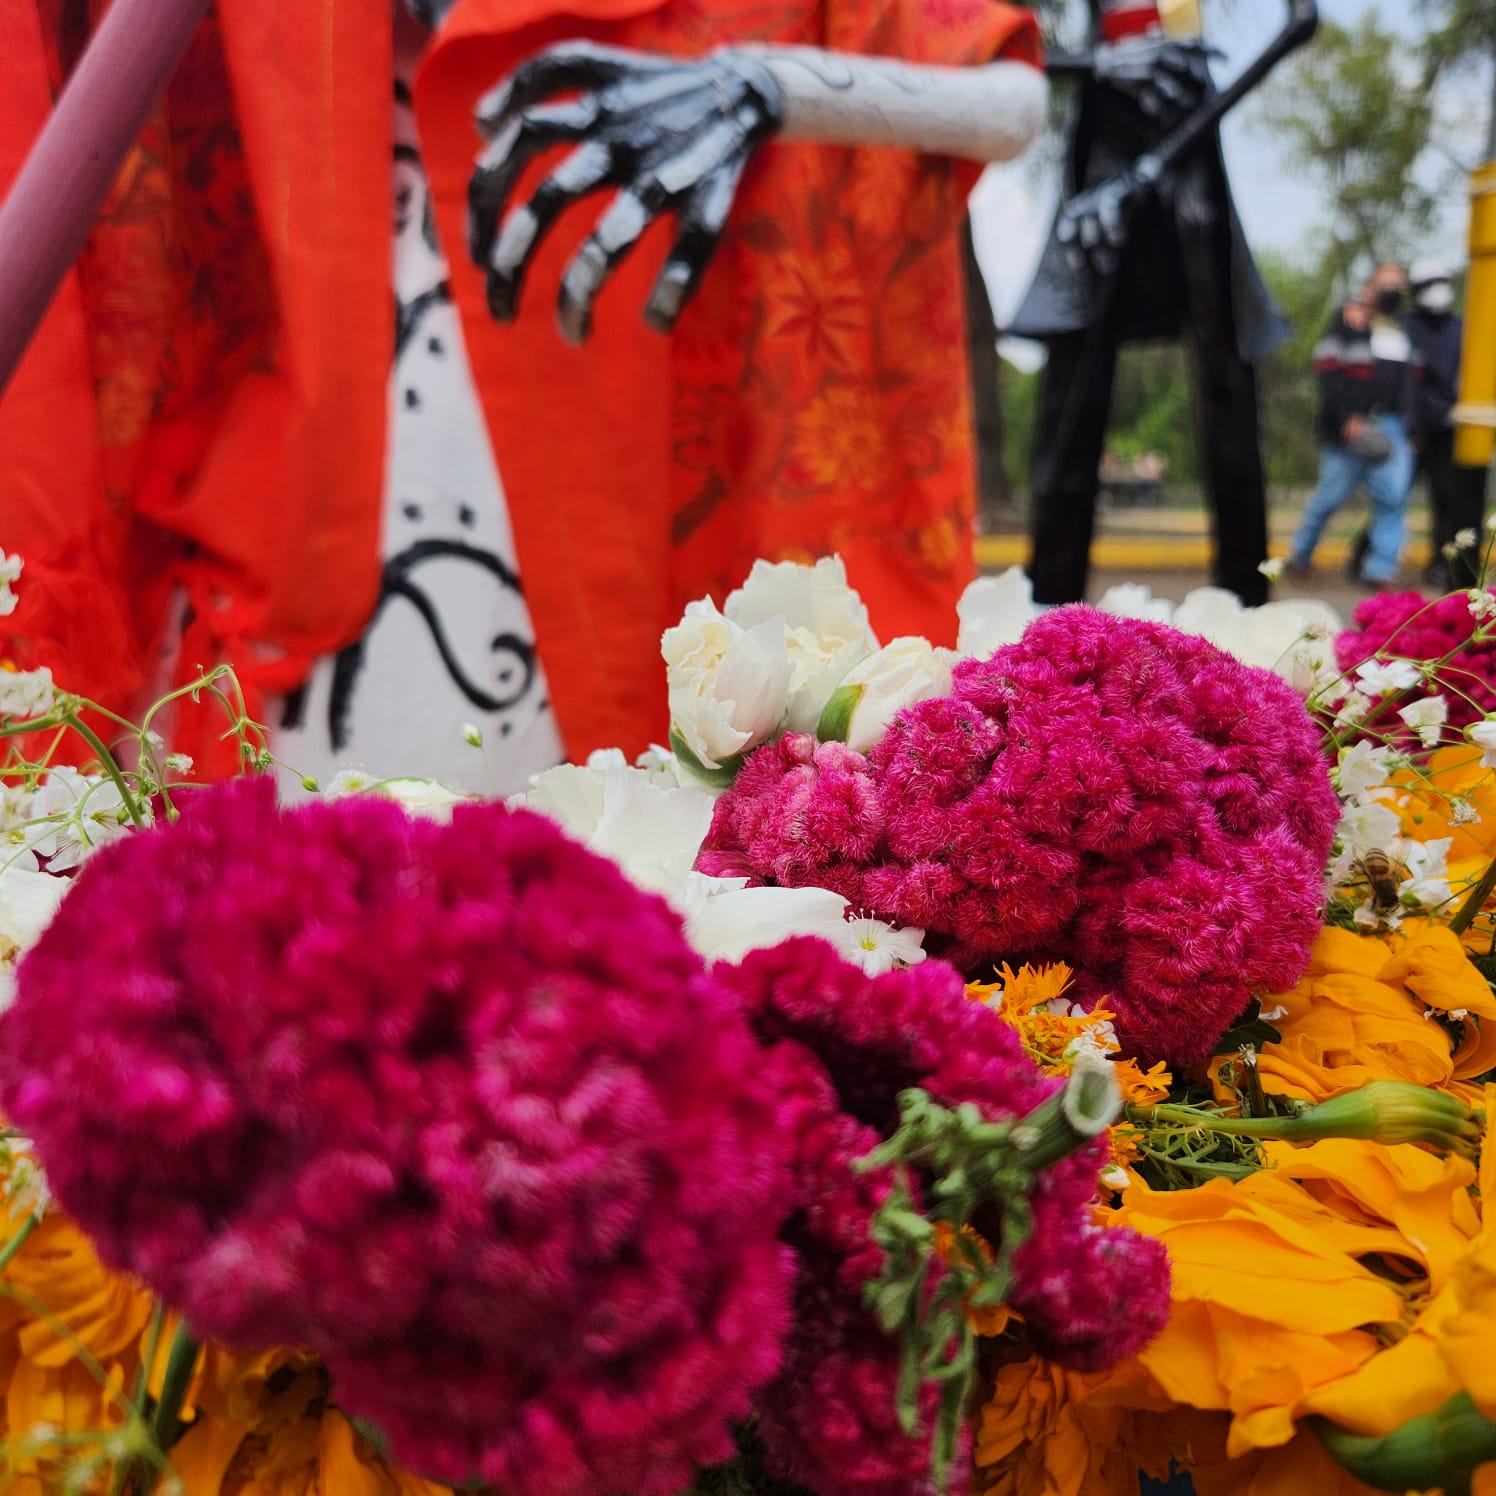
(1355, 114)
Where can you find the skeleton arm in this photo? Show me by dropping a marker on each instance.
(675, 136)
(1301, 24)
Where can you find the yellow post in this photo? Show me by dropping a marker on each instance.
(1475, 415)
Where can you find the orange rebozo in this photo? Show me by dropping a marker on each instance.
(200, 421)
(195, 438)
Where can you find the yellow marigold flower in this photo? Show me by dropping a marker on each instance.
(1049, 1432)
(1366, 1010)
(1269, 1302)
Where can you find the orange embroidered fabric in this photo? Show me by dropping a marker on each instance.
(813, 399)
(201, 416)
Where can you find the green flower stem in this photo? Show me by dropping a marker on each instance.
(1385, 1111)
(1442, 1449)
(166, 1422)
(111, 768)
(14, 1245)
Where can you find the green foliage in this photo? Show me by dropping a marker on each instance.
(1356, 120)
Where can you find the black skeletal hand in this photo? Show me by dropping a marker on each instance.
(672, 136)
(1167, 80)
(1094, 224)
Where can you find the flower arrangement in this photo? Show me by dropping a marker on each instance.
(1006, 1070)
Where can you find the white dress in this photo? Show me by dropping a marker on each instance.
(451, 642)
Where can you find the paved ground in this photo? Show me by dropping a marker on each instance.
(1169, 551)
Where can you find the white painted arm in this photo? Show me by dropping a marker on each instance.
(989, 113)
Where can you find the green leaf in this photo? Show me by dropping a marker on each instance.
(835, 725)
(719, 777)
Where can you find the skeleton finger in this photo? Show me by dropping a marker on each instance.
(617, 232)
(499, 167)
(583, 171)
(566, 66)
(702, 222)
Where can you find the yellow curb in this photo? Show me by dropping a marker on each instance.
(1151, 553)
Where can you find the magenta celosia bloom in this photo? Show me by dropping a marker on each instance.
(844, 1045)
(1106, 792)
(454, 1106)
(1408, 628)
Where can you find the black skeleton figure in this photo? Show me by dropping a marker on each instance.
(1146, 245)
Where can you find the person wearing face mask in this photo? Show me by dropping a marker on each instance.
(1365, 368)
(1456, 495)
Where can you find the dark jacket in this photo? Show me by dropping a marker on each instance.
(1184, 242)
(1362, 373)
(1436, 370)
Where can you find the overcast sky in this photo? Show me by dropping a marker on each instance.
(1012, 206)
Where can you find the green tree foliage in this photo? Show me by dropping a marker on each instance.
(1355, 116)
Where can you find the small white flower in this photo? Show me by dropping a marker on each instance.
(350, 782)
(1466, 539)
(1384, 677)
(26, 693)
(902, 673)
(1274, 1013)
(661, 765)
(1491, 521)
(86, 811)
(1272, 569)
(1353, 709)
(1363, 768)
(10, 570)
(877, 947)
(1427, 883)
(1459, 1014)
(1482, 604)
(472, 735)
(606, 760)
(1365, 826)
(1114, 1177)
(178, 763)
(1427, 718)
(1462, 812)
(1483, 735)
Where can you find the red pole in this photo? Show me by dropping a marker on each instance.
(59, 191)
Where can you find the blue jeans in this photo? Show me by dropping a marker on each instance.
(1387, 483)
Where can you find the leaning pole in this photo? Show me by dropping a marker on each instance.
(61, 187)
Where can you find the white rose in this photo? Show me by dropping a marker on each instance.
(28, 900)
(876, 691)
(1294, 638)
(728, 685)
(651, 830)
(1133, 600)
(826, 626)
(995, 611)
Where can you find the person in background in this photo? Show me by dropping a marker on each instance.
(1456, 496)
(1366, 397)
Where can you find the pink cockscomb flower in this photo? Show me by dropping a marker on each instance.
(455, 1106)
(1107, 792)
(843, 1047)
(1407, 628)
